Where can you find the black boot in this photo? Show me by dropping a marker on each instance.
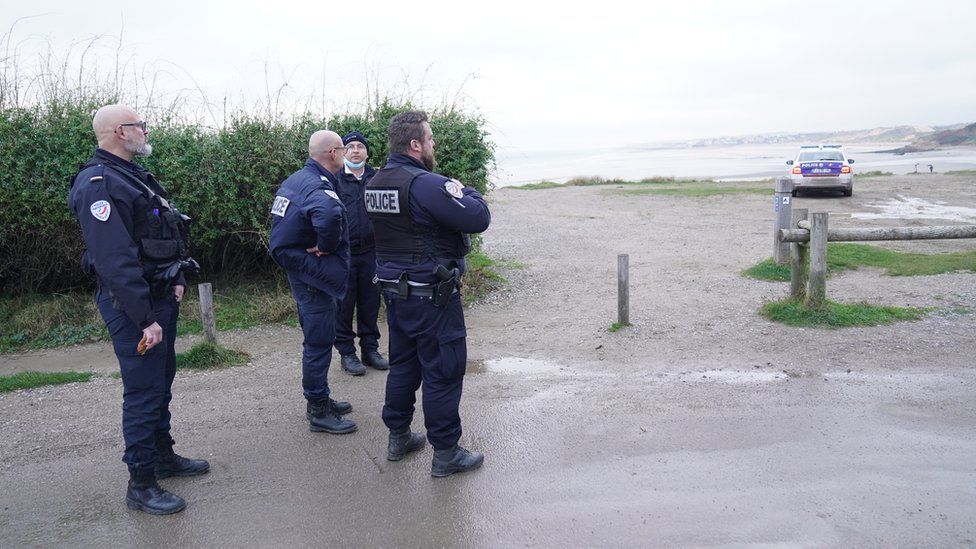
(325, 419)
(144, 494)
(170, 464)
(373, 359)
(351, 364)
(403, 443)
(454, 460)
(341, 407)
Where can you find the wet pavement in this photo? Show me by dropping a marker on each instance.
(577, 455)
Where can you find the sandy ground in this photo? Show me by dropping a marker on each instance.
(701, 425)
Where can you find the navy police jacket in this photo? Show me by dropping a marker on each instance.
(351, 192)
(430, 204)
(116, 217)
(308, 213)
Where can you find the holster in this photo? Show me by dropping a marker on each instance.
(449, 282)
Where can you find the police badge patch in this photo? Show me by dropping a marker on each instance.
(332, 194)
(101, 210)
(453, 187)
(280, 206)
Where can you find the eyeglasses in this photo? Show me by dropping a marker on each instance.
(338, 149)
(140, 124)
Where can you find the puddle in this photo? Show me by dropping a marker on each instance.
(906, 207)
(733, 377)
(512, 365)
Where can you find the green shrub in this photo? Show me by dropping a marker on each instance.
(224, 179)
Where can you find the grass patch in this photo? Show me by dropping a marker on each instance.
(537, 186)
(29, 380)
(482, 275)
(844, 256)
(697, 191)
(837, 315)
(206, 355)
(851, 256)
(961, 172)
(768, 270)
(39, 321)
(595, 181)
(873, 173)
(617, 326)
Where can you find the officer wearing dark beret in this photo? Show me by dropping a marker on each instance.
(362, 294)
(137, 247)
(309, 239)
(421, 221)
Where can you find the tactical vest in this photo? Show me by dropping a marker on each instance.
(399, 238)
(160, 231)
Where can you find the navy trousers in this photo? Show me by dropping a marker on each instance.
(147, 381)
(363, 296)
(316, 314)
(427, 347)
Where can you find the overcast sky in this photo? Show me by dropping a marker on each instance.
(559, 75)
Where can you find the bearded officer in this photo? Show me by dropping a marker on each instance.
(309, 239)
(137, 247)
(421, 221)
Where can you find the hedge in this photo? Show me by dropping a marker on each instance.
(223, 178)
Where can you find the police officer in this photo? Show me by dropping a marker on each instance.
(362, 294)
(421, 221)
(137, 247)
(309, 239)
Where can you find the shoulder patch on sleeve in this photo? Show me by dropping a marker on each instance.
(332, 194)
(280, 206)
(96, 178)
(453, 187)
(101, 210)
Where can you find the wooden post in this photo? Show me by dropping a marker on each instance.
(623, 289)
(799, 260)
(207, 312)
(782, 205)
(817, 286)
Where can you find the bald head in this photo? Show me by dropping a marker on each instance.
(110, 117)
(321, 147)
(116, 131)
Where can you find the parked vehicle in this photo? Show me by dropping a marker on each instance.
(823, 167)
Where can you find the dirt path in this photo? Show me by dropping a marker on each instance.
(703, 424)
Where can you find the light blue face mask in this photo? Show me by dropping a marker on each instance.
(353, 165)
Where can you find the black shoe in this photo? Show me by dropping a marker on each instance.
(324, 418)
(454, 460)
(144, 494)
(170, 464)
(373, 359)
(403, 443)
(340, 406)
(351, 364)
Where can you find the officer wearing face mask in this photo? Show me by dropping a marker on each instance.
(362, 294)
(137, 248)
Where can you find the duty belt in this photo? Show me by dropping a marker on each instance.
(440, 292)
(410, 290)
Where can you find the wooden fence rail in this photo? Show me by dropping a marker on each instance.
(808, 248)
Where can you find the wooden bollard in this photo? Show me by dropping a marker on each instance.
(817, 285)
(799, 260)
(207, 312)
(623, 289)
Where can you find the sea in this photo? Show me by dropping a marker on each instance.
(736, 162)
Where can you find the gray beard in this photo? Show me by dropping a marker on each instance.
(139, 150)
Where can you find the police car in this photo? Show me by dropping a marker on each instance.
(822, 167)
